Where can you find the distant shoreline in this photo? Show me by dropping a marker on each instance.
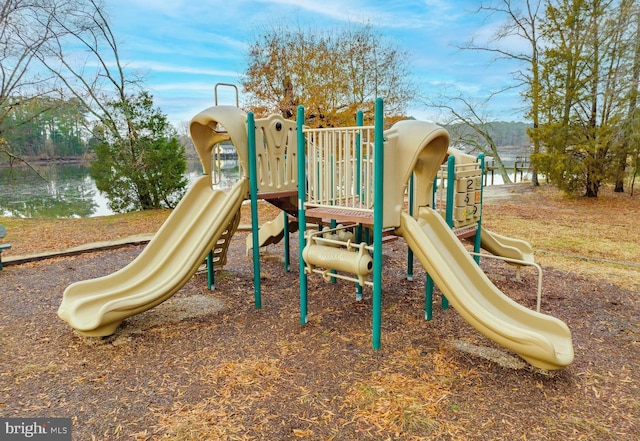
(25, 162)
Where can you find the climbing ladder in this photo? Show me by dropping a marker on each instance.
(222, 246)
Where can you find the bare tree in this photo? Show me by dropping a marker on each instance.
(521, 20)
(29, 29)
(100, 77)
(469, 115)
(140, 163)
(25, 27)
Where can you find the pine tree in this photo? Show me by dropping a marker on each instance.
(141, 165)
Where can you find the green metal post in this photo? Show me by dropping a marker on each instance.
(451, 183)
(359, 123)
(302, 218)
(253, 188)
(429, 285)
(358, 240)
(210, 278)
(428, 298)
(285, 236)
(378, 211)
(409, 251)
(359, 190)
(478, 239)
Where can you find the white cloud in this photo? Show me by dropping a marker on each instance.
(185, 47)
(158, 67)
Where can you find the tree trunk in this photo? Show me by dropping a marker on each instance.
(591, 190)
(619, 186)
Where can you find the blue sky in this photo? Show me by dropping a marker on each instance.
(185, 47)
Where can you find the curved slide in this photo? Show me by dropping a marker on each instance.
(506, 246)
(270, 232)
(542, 340)
(97, 307)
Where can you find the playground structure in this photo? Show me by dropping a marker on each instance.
(356, 180)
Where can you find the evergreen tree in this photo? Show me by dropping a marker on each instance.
(140, 164)
(584, 79)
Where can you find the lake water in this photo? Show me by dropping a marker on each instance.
(68, 190)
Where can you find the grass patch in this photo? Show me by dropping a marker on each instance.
(578, 235)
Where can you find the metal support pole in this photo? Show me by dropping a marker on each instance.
(359, 189)
(428, 298)
(333, 224)
(253, 188)
(477, 242)
(285, 236)
(302, 218)
(378, 211)
(429, 285)
(451, 184)
(210, 278)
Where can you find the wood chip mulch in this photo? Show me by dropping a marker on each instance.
(208, 365)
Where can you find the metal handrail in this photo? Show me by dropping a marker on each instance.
(215, 92)
(519, 262)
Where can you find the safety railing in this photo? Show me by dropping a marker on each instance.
(340, 167)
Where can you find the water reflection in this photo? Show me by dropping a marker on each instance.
(68, 190)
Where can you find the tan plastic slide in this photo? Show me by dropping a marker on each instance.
(269, 233)
(506, 246)
(97, 307)
(542, 340)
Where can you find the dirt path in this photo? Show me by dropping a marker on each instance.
(506, 192)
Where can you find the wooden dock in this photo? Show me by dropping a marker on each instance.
(520, 167)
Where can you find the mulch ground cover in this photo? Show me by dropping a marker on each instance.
(208, 365)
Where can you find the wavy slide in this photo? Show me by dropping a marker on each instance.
(506, 246)
(542, 340)
(97, 307)
(269, 233)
